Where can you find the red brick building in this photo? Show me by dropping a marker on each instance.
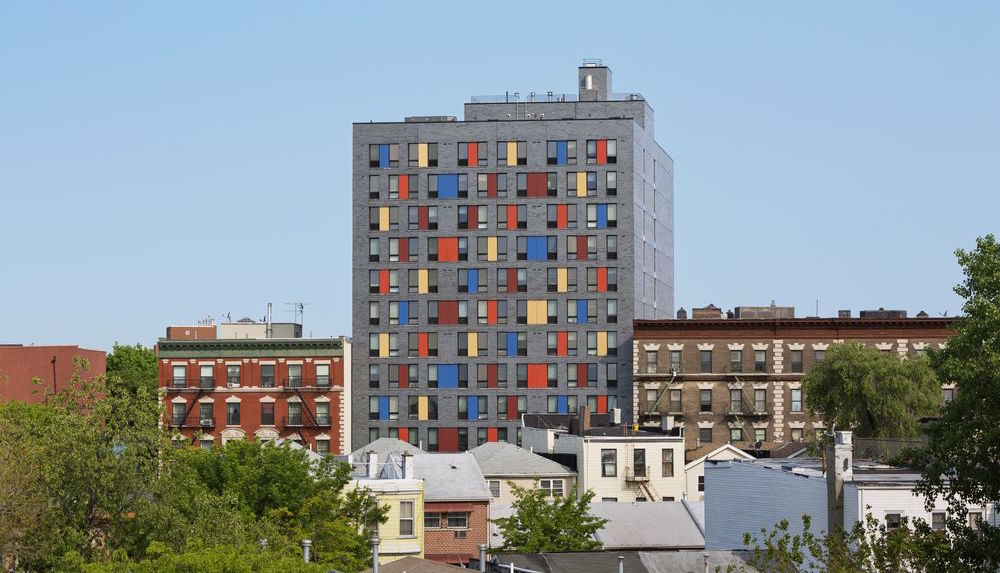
(265, 389)
(19, 365)
(456, 506)
(739, 380)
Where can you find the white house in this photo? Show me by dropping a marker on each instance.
(694, 471)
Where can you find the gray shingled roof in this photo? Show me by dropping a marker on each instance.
(383, 447)
(507, 460)
(686, 561)
(628, 525)
(450, 477)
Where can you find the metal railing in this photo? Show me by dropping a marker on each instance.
(546, 97)
(636, 473)
(208, 383)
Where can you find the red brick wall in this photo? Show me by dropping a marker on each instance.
(191, 332)
(442, 545)
(19, 364)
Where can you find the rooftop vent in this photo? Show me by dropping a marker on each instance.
(429, 118)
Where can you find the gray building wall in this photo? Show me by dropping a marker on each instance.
(645, 249)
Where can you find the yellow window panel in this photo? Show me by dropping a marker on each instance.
(422, 281)
(511, 153)
(421, 407)
(581, 183)
(602, 343)
(491, 249)
(383, 218)
(383, 345)
(537, 313)
(421, 155)
(563, 282)
(473, 344)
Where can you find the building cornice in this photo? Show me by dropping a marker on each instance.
(783, 327)
(279, 347)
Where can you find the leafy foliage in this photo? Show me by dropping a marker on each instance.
(132, 368)
(876, 395)
(540, 524)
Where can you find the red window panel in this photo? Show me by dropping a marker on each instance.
(581, 247)
(581, 375)
(448, 312)
(602, 279)
(511, 407)
(491, 375)
(562, 219)
(473, 153)
(562, 344)
(383, 282)
(511, 280)
(537, 184)
(448, 249)
(491, 184)
(538, 376)
(511, 216)
(602, 151)
(448, 437)
(491, 435)
(602, 404)
(404, 186)
(404, 376)
(404, 434)
(404, 250)
(474, 217)
(422, 344)
(422, 223)
(491, 312)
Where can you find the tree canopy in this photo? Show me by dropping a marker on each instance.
(875, 395)
(132, 367)
(541, 524)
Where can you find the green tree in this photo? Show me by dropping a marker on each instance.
(543, 524)
(962, 459)
(875, 395)
(133, 367)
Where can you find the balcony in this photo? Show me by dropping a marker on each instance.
(747, 411)
(292, 422)
(637, 473)
(192, 422)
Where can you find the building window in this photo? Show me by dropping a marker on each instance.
(179, 373)
(611, 185)
(796, 434)
(651, 359)
(267, 375)
(701, 483)
(760, 435)
(406, 518)
(947, 395)
(760, 400)
(609, 463)
(893, 521)
(552, 487)
(705, 400)
(267, 413)
(796, 400)
(796, 361)
(432, 439)
(975, 520)
(323, 413)
(432, 520)
(736, 400)
(322, 375)
(294, 414)
(760, 361)
(706, 361)
(705, 435)
(232, 375)
(736, 361)
(177, 417)
(323, 447)
(675, 401)
(675, 361)
(819, 356)
(295, 375)
(667, 467)
(233, 414)
(938, 521)
(494, 488)
(207, 376)
(458, 520)
(735, 434)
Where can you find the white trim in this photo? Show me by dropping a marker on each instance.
(884, 345)
(712, 453)
(267, 399)
(796, 425)
(267, 433)
(705, 385)
(820, 346)
(795, 385)
(671, 346)
(233, 363)
(178, 363)
(735, 385)
(760, 345)
(735, 345)
(233, 400)
(294, 399)
(268, 363)
(649, 347)
(920, 345)
(178, 400)
(318, 362)
(795, 346)
(760, 385)
(705, 346)
(293, 436)
(206, 400)
(941, 345)
(705, 424)
(320, 399)
(205, 363)
(759, 425)
(948, 386)
(323, 437)
(208, 437)
(294, 362)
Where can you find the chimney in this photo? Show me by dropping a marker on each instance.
(595, 81)
(839, 468)
(482, 558)
(372, 465)
(406, 465)
(374, 553)
(583, 426)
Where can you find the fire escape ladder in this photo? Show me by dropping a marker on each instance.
(191, 406)
(307, 413)
(664, 388)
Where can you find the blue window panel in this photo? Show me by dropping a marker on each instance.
(404, 312)
(448, 186)
(511, 344)
(602, 216)
(581, 311)
(383, 155)
(447, 375)
(383, 408)
(561, 153)
(537, 249)
(473, 280)
(562, 405)
(473, 408)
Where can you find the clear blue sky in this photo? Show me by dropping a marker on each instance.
(160, 162)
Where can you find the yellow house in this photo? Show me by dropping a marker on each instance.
(402, 535)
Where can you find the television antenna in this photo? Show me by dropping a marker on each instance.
(298, 310)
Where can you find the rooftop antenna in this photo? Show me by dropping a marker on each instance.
(298, 311)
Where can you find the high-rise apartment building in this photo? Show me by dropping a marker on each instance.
(499, 262)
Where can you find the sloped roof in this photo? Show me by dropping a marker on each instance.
(685, 561)
(450, 477)
(628, 526)
(383, 447)
(416, 565)
(737, 453)
(504, 459)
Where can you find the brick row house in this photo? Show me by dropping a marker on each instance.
(264, 389)
(739, 380)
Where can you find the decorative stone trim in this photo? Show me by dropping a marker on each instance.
(254, 360)
(179, 400)
(734, 425)
(205, 363)
(208, 437)
(309, 359)
(838, 340)
(293, 436)
(920, 345)
(294, 399)
(320, 362)
(883, 345)
(678, 386)
(323, 437)
(760, 345)
(735, 346)
(232, 434)
(735, 385)
(759, 425)
(671, 346)
(941, 345)
(760, 385)
(705, 385)
(820, 346)
(267, 399)
(267, 363)
(796, 346)
(322, 399)
(219, 360)
(705, 424)
(246, 361)
(233, 400)
(651, 386)
(819, 425)
(232, 362)
(648, 347)
(164, 360)
(267, 433)
(193, 360)
(794, 385)
(705, 346)
(206, 400)
(948, 386)
(796, 425)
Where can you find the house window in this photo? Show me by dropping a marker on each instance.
(796, 361)
(323, 374)
(675, 361)
(180, 372)
(294, 414)
(735, 400)
(374, 376)
(651, 358)
(495, 487)
(232, 375)
(760, 361)
(267, 375)
(667, 466)
(947, 395)
(178, 414)
(796, 400)
(706, 361)
(705, 400)
(323, 447)
(323, 413)
(735, 434)
(207, 376)
(458, 520)
(701, 483)
(611, 183)
(893, 521)
(406, 518)
(675, 401)
(705, 435)
(552, 487)
(267, 413)
(975, 520)
(432, 439)
(760, 435)
(295, 375)
(233, 414)
(736, 361)
(432, 520)
(609, 463)
(938, 521)
(760, 400)
(819, 356)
